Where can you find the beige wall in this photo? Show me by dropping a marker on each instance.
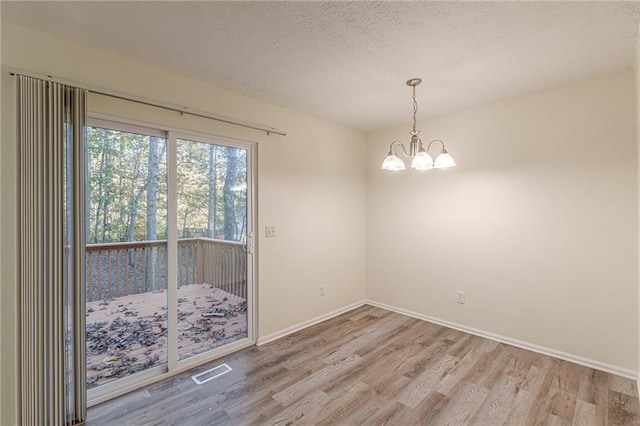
(537, 223)
(638, 171)
(311, 183)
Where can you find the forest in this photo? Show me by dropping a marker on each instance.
(126, 197)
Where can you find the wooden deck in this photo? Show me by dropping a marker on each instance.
(128, 334)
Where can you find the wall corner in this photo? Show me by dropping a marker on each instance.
(637, 115)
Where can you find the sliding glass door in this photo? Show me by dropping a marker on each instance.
(169, 259)
(126, 253)
(212, 232)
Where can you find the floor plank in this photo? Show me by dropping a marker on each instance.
(370, 366)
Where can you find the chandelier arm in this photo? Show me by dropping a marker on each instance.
(401, 145)
(435, 140)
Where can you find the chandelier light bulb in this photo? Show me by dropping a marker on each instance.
(444, 160)
(422, 161)
(392, 163)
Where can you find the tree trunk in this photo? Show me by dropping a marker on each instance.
(122, 183)
(133, 213)
(152, 208)
(229, 181)
(105, 221)
(96, 225)
(211, 217)
(186, 233)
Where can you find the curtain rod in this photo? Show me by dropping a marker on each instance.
(171, 107)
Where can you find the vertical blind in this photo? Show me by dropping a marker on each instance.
(50, 131)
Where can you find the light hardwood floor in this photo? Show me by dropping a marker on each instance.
(373, 367)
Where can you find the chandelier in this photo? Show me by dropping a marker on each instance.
(419, 156)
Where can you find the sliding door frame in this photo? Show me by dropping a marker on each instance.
(174, 135)
(174, 366)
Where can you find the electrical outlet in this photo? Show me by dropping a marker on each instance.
(321, 290)
(461, 297)
(270, 231)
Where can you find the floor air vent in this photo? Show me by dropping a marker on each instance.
(211, 374)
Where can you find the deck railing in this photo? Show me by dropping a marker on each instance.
(120, 269)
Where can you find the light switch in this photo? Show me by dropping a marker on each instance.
(270, 231)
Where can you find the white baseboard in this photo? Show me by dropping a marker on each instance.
(596, 365)
(313, 321)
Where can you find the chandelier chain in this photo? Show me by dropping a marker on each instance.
(415, 109)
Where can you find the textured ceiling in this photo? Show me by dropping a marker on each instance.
(348, 61)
